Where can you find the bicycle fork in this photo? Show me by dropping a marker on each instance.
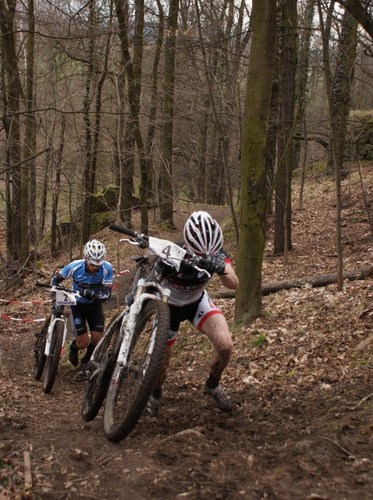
(129, 328)
(48, 343)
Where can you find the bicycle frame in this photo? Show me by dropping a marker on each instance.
(125, 371)
(129, 322)
(50, 342)
(63, 298)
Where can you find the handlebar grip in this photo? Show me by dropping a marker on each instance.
(44, 285)
(124, 230)
(57, 287)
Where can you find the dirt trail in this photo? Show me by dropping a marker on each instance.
(301, 378)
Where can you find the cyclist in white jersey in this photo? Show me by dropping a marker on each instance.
(93, 278)
(190, 301)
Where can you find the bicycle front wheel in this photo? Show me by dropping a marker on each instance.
(54, 357)
(99, 380)
(131, 385)
(39, 349)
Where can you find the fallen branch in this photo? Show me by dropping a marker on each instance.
(361, 402)
(27, 471)
(347, 452)
(314, 281)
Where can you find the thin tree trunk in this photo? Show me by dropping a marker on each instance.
(165, 176)
(302, 86)
(29, 179)
(57, 163)
(132, 70)
(147, 184)
(88, 176)
(337, 115)
(282, 240)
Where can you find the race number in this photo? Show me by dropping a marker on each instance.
(167, 251)
(65, 298)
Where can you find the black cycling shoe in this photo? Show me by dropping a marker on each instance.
(73, 355)
(83, 374)
(152, 407)
(222, 400)
(88, 354)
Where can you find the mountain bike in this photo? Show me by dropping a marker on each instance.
(49, 344)
(126, 362)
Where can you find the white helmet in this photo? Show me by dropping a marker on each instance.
(95, 252)
(202, 234)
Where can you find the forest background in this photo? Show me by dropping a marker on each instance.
(138, 112)
(111, 106)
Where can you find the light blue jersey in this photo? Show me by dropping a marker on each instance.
(99, 281)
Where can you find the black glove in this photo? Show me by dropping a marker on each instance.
(88, 294)
(213, 264)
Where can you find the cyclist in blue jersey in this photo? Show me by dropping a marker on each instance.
(189, 300)
(93, 278)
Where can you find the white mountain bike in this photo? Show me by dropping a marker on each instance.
(127, 360)
(50, 342)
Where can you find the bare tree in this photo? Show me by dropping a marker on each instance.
(17, 221)
(285, 150)
(165, 175)
(338, 90)
(132, 70)
(361, 10)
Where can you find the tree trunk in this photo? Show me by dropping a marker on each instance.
(165, 176)
(88, 175)
(147, 184)
(254, 187)
(132, 70)
(17, 221)
(57, 164)
(361, 13)
(338, 95)
(302, 86)
(29, 178)
(288, 57)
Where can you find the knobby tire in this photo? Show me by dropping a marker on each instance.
(99, 380)
(39, 349)
(54, 357)
(131, 385)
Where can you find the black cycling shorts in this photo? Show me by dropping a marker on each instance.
(88, 314)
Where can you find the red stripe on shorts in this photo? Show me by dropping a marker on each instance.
(207, 316)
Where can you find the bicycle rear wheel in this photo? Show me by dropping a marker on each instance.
(54, 357)
(39, 349)
(102, 367)
(131, 385)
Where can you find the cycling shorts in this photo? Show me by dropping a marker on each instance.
(197, 313)
(91, 314)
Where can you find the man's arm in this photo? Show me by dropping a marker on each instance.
(229, 278)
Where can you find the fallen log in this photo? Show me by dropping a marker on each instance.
(314, 281)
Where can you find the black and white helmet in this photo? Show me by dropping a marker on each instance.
(202, 234)
(95, 252)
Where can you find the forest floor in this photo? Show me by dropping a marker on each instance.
(301, 378)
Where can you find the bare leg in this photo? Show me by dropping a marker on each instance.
(217, 331)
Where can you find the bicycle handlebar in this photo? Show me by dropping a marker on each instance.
(127, 231)
(55, 287)
(143, 240)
